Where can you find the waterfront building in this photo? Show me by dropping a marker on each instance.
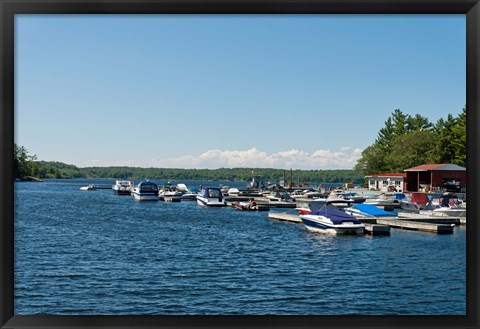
(389, 182)
(436, 177)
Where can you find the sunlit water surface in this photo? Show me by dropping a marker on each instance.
(94, 252)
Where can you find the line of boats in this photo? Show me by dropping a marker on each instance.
(335, 211)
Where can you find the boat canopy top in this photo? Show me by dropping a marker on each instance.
(212, 192)
(335, 215)
(372, 210)
(420, 197)
(399, 196)
(148, 186)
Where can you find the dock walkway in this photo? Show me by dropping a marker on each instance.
(417, 226)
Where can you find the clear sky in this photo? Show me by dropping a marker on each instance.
(210, 91)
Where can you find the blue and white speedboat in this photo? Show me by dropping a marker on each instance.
(145, 191)
(331, 220)
(210, 197)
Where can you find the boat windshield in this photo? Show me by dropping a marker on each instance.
(149, 188)
(213, 193)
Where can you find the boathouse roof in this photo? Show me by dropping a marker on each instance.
(389, 175)
(438, 167)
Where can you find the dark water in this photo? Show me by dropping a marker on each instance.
(79, 252)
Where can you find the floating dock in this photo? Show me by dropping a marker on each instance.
(376, 229)
(286, 217)
(414, 217)
(103, 187)
(416, 226)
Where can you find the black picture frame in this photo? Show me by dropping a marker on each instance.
(9, 8)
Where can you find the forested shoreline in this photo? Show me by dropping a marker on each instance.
(62, 170)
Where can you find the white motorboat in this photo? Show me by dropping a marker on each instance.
(190, 194)
(385, 199)
(349, 196)
(145, 191)
(414, 201)
(169, 192)
(182, 188)
(299, 194)
(279, 196)
(210, 197)
(331, 220)
(91, 187)
(123, 187)
(447, 204)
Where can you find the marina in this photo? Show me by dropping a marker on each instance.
(352, 211)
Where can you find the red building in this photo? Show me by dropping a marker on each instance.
(435, 177)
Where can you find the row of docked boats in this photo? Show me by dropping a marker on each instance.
(332, 216)
(336, 211)
(149, 191)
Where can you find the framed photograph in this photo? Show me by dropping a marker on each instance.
(308, 163)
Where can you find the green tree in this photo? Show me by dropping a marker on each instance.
(459, 141)
(410, 150)
(24, 164)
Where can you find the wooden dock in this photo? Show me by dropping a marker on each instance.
(376, 229)
(416, 226)
(103, 187)
(414, 217)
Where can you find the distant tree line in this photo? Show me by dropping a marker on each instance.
(409, 141)
(62, 170)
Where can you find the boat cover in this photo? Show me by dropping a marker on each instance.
(420, 197)
(399, 196)
(212, 192)
(335, 215)
(372, 210)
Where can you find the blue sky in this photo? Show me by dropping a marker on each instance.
(210, 91)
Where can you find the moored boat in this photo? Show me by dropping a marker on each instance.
(387, 199)
(447, 204)
(91, 187)
(145, 191)
(210, 197)
(191, 194)
(331, 220)
(243, 205)
(123, 187)
(414, 201)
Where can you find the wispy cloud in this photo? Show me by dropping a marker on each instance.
(345, 158)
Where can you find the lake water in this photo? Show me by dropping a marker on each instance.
(96, 253)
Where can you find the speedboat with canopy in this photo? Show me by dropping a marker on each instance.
(329, 219)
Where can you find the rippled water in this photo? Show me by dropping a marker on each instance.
(94, 253)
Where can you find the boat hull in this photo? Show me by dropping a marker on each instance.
(121, 192)
(317, 225)
(210, 202)
(145, 197)
(452, 212)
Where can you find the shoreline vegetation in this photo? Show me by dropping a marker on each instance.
(52, 170)
(405, 141)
